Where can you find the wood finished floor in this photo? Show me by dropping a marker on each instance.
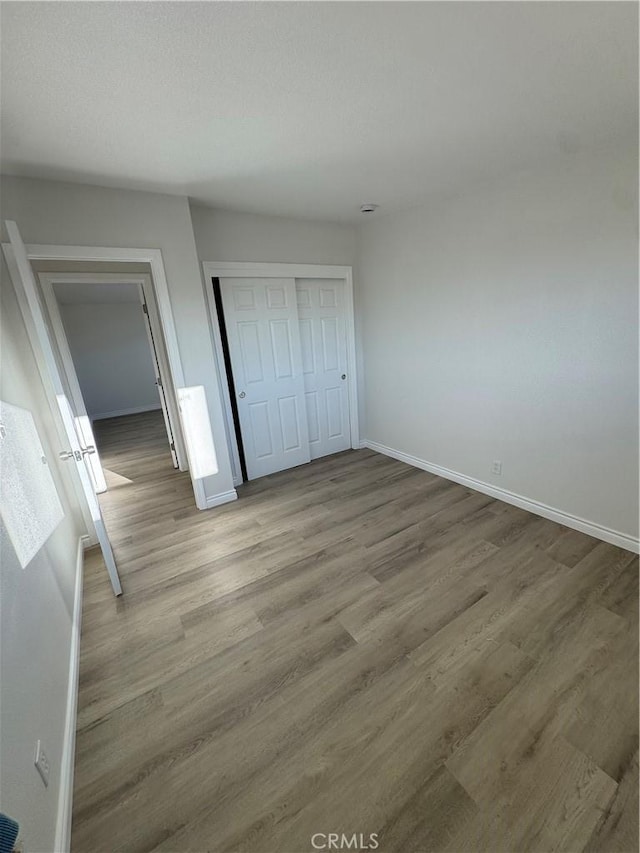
(353, 646)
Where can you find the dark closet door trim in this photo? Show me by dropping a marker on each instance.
(217, 296)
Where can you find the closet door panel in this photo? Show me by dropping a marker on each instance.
(321, 311)
(267, 360)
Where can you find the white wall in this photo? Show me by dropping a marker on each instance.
(223, 235)
(36, 614)
(112, 357)
(503, 325)
(68, 214)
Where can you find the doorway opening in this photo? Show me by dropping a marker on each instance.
(192, 429)
(112, 356)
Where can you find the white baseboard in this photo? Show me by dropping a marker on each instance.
(222, 498)
(65, 797)
(119, 413)
(614, 537)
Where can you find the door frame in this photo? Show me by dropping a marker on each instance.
(153, 257)
(242, 269)
(165, 392)
(140, 280)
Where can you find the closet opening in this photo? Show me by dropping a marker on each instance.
(285, 350)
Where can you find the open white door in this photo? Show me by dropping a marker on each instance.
(76, 400)
(264, 343)
(25, 285)
(159, 385)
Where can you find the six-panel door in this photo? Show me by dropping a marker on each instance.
(321, 313)
(264, 344)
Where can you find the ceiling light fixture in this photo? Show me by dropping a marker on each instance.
(368, 208)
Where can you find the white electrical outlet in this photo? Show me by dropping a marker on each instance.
(496, 467)
(42, 763)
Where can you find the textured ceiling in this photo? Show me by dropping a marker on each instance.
(309, 109)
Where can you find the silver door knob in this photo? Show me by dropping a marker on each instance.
(66, 454)
(88, 449)
(242, 395)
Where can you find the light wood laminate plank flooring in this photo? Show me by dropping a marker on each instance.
(354, 646)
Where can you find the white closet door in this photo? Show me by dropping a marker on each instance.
(264, 344)
(321, 312)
